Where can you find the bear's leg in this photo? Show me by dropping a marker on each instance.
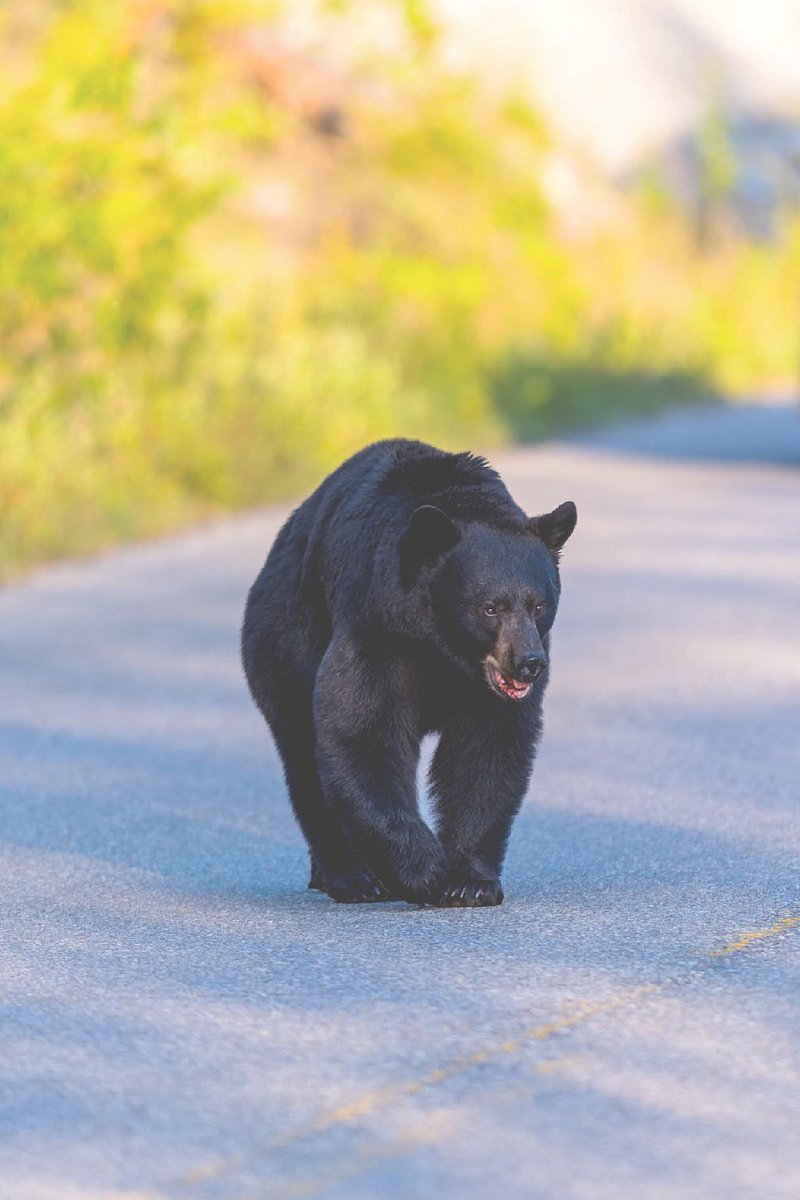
(335, 867)
(478, 778)
(368, 736)
(280, 674)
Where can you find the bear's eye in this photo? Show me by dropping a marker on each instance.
(539, 610)
(490, 610)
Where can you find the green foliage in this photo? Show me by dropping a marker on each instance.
(538, 396)
(174, 344)
(717, 159)
(102, 180)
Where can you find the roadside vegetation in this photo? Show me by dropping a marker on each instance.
(239, 239)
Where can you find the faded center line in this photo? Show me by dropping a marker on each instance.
(381, 1098)
(429, 1130)
(756, 935)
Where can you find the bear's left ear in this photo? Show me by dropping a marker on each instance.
(430, 533)
(555, 527)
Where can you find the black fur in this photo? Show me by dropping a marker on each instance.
(367, 629)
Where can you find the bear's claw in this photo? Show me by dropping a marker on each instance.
(475, 893)
(317, 881)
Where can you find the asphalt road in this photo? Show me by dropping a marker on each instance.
(182, 1019)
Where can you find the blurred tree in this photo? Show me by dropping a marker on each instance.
(717, 168)
(241, 237)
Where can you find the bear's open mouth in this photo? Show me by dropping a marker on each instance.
(504, 685)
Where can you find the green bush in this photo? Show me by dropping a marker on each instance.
(168, 350)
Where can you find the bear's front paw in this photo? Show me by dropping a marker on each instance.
(472, 893)
(355, 887)
(419, 870)
(424, 885)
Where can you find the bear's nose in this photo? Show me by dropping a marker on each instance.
(529, 669)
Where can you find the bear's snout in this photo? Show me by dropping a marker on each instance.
(528, 669)
(519, 651)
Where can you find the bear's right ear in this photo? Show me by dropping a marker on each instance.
(555, 527)
(430, 533)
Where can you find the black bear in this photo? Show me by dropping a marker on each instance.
(408, 594)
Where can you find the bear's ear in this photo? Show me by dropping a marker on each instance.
(555, 527)
(429, 534)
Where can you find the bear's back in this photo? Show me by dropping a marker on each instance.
(462, 484)
(370, 497)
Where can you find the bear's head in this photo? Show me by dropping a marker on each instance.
(493, 592)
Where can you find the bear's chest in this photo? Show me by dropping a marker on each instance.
(441, 693)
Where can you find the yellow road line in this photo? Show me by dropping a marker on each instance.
(429, 1130)
(756, 935)
(371, 1102)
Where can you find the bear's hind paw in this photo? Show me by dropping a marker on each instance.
(356, 887)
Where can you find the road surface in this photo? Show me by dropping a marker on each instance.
(182, 1019)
